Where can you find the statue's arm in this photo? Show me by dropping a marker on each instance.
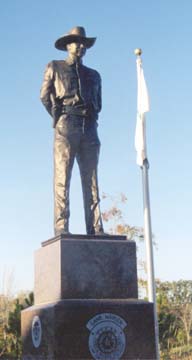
(99, 95)
(47, 92)
(96, 104)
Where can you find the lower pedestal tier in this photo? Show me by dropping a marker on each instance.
(89, 329)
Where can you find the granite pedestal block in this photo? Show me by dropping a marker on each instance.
(89, 329)
(81, 267)
(86, 305)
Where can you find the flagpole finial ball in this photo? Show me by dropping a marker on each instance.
(138, 52)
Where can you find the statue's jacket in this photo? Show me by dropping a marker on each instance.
(68, 85)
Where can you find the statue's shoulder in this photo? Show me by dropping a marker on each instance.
(92, 72)
(57, 64)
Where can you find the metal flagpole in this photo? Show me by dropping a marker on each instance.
(143, 107)
(149, 249)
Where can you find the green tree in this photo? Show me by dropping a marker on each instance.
(6, 305)
(10, 324)
(14, 322)
(168, 326)
(14, 329)
(181, 298)
(29, 300)
(174, 301)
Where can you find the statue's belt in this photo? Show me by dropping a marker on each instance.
(80, 111)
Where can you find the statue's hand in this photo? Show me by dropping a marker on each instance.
(55, 112)
(90, 110)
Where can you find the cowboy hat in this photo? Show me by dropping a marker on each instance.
(76, 34)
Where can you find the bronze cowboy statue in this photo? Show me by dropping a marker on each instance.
(71, 93)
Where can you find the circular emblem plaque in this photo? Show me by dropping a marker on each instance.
(107, 339)
(36, 331)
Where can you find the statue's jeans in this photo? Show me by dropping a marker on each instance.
(76, 138)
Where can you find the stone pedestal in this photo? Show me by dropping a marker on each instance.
(86, 304)
(85, 268)
(65, 332)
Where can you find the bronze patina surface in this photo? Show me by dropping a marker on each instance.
(71, 93)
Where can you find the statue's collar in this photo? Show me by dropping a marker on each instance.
(71, 61)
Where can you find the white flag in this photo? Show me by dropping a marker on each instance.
(142, 108)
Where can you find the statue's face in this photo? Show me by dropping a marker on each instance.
(76, 49)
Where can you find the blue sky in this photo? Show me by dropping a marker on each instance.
(163, 30)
